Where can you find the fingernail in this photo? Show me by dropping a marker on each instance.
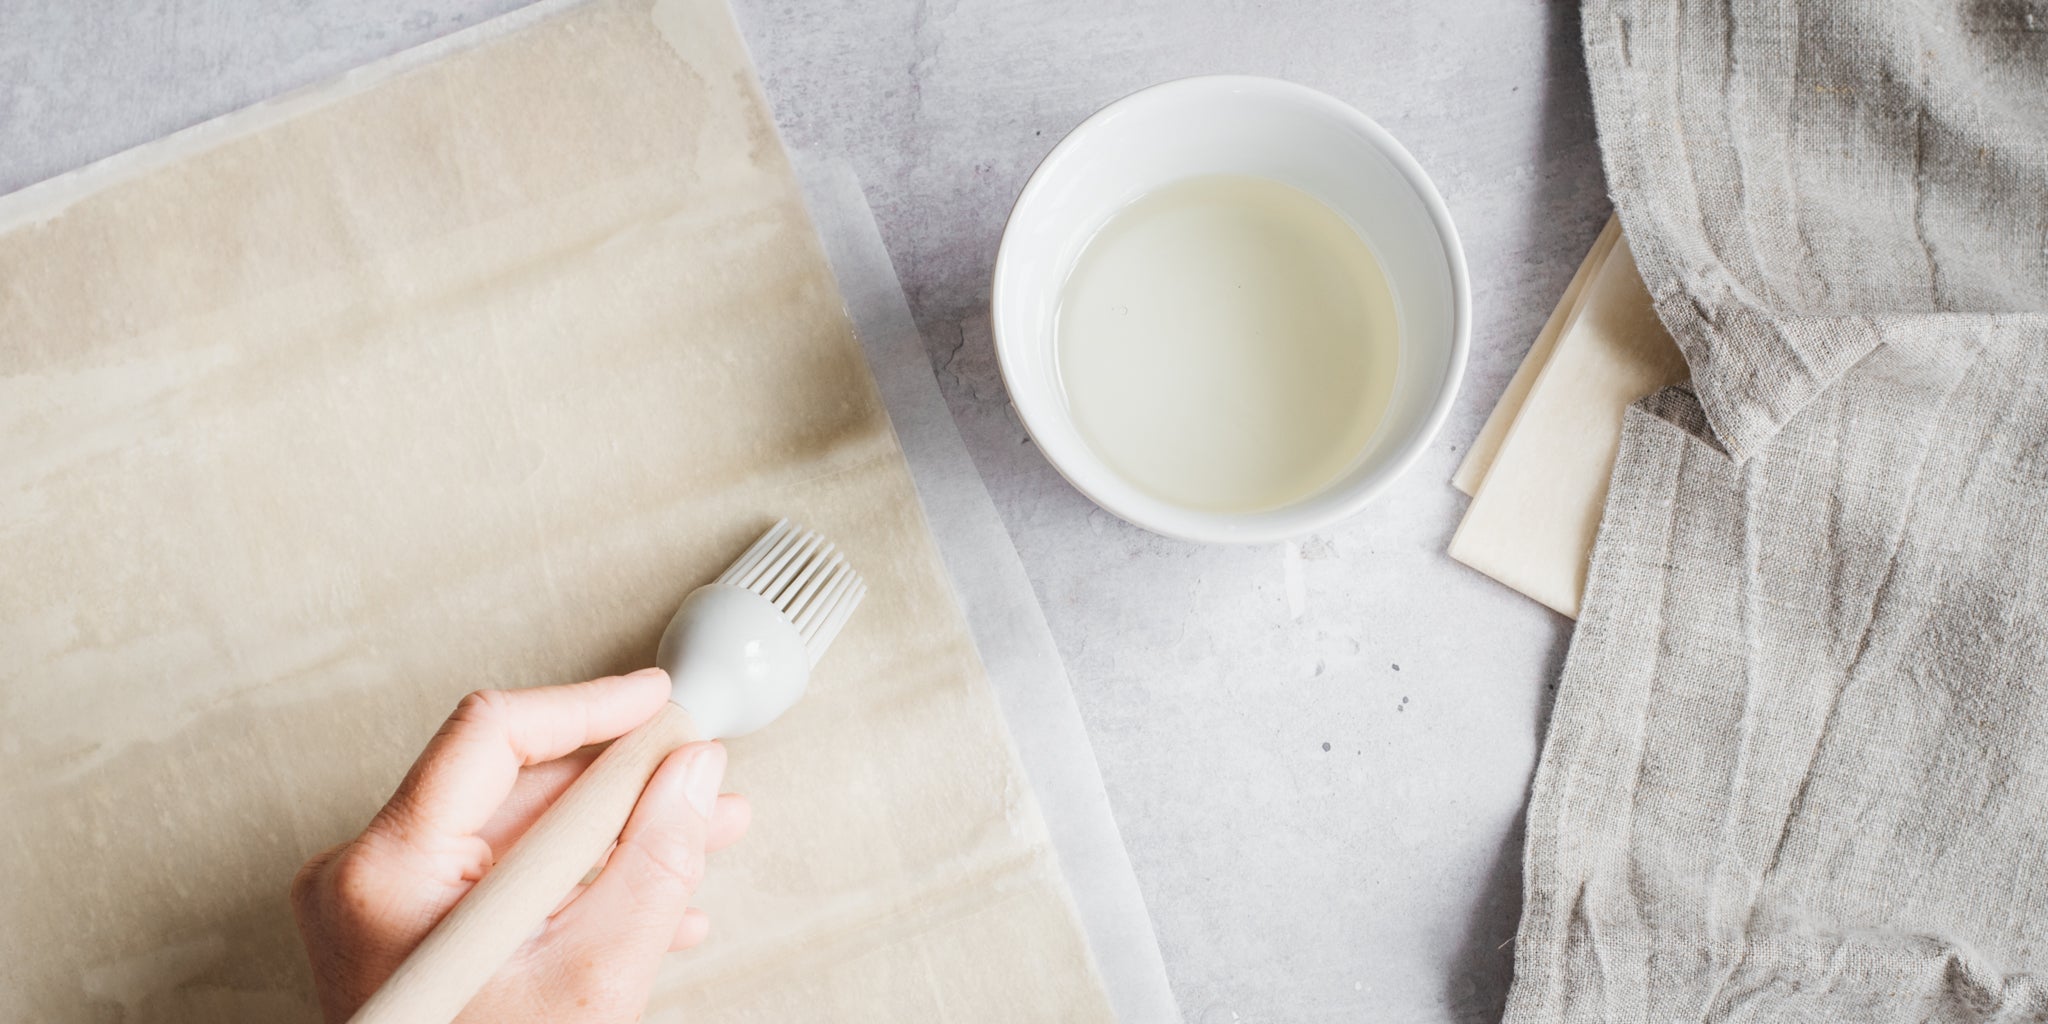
(647, 673)
(701, 779)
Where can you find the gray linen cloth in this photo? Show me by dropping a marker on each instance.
(1798, 766)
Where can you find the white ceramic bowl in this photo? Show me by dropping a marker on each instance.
(1234, 125)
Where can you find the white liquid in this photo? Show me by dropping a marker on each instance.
(1228, 343)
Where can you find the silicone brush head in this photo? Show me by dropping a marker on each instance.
(740, 649)
(805, 578)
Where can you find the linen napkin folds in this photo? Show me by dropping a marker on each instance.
(1798, 766)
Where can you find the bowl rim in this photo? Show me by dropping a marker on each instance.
(1287, 521)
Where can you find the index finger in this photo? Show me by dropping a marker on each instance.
(468, 768)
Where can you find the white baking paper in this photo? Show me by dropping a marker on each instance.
(1002, 612)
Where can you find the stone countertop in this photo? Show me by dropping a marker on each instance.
(1317, 753)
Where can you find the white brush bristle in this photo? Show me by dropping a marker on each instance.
(807, 580)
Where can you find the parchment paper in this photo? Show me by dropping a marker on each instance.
(461, 374)
(1009, 628)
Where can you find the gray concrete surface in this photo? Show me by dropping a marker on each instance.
(1318, 754)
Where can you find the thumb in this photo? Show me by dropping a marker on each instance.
(627, 918)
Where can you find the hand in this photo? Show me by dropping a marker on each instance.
(497, 763)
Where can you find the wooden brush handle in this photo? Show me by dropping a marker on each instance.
(516, 895)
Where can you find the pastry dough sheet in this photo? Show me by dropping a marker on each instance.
(1532, 523)
(458, 374)
(1486, 445)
